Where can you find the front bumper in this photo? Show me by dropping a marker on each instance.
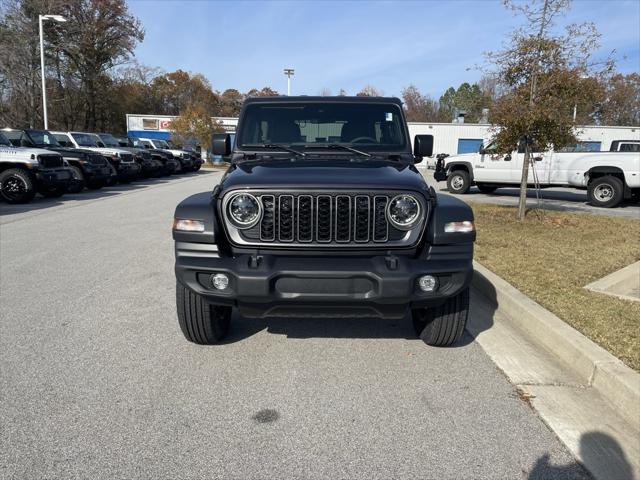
(96, 172)
(54, 177)
(128, 170)
(276, 286)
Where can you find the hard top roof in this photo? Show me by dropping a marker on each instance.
(318, 99)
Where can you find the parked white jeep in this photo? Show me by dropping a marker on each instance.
(185, 158)
(608, 177)
(25, 171)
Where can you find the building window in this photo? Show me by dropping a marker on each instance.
(469, 145)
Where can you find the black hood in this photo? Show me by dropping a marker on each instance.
(68, 152)
(326, 174)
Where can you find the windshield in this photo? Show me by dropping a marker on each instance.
(42, 137)
(109, 140)
(14, 137)
(366, 126)
(4, 140)
(85, 139)
(161, 144)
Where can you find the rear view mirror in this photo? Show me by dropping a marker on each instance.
(423, 146)
(221, 144)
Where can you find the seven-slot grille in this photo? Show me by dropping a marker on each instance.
(97, 160)
(323, 218)
(50, 161)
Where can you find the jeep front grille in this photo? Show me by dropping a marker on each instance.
(322, 219)
(97, 160)
(126, 157)
(50, 161)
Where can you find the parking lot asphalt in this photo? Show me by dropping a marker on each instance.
(557, 198)
(97, 381)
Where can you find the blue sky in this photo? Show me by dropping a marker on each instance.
(347, 44)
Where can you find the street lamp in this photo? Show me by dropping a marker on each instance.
(41, 18)
(288, 72)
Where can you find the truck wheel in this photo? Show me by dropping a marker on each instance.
(605, 192)
(442, 326)
(16, 186)
(200, 322)
(79, 184)
(486, 188)
(458, 182)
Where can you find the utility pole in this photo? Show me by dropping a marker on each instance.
(289, 73)
(55, 18)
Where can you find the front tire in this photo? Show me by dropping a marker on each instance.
(444, 325)
(606, 192)
(80, 183)
(201, 322)
(16, 186)
(458, 182)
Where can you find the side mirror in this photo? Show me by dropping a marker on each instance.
(507, 157)
(423, 146)
(100, 144)
(221, 144)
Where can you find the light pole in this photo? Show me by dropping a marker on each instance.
(288, 72)
(41, 18)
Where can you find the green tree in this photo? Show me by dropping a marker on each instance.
(466, 98)
(544, 75)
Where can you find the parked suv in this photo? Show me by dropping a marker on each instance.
(89, 169)
(25, 171)
(149, 167)
(121, 160)
(322, 213)
(183, 157)
(169, 164)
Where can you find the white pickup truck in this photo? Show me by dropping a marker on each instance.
(608, 177)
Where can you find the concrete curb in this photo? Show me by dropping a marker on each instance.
(615, 382)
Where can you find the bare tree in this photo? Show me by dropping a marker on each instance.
(370, 91)
(419, 107)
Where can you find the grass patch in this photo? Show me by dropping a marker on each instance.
(552, 257)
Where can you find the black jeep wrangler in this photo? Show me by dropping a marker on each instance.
(322, 213)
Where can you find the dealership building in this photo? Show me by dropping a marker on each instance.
(450, 138)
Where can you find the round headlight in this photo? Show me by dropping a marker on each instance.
(403, 211)
(244, 210)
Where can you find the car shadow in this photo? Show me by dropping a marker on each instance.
(480, 318)
(601, 456)
(41, 203)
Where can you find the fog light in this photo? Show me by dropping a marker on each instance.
(427, 283)
(219, 281)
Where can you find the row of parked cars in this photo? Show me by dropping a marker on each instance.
(54, 163)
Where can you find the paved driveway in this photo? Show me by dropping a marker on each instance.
(96, 380)
(563, 199)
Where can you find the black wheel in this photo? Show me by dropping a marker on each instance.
(458, 181)
(486, 188)
(606, 192)
(197, 167)
(16, 186)
(78, 185)
(444, 325)
(200, 321)
(52, 192)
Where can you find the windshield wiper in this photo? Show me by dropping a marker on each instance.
(338, 146)
(275, 146)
